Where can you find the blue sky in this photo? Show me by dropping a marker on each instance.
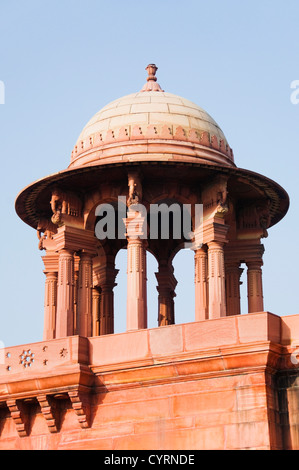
(61, 61)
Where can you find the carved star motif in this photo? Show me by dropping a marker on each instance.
(63, 352)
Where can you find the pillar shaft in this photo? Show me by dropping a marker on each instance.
(216, 274)
(233, 298)
(255, 287)
(136, 285)
(84, 306)
(103, 294)
(106, 310)
(96, 302)
(76, 277)
(166, 289)
(50, 306)
(166, 307)
(65, 295)
(201, 284)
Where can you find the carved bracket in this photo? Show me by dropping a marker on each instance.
(81, 407)
(45, 231)
(255, 218)
(65, 206)
(135, 189)
(20, 418)
(48, 409)
(215, 198)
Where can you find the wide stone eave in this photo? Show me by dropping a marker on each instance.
(33, 202)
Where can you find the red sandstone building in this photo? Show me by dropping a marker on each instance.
(224, 381)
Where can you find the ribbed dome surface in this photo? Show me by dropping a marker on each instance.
(137, 123)
(151, 108)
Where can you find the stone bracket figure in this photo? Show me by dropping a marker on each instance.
(45, 231)
(255, 218)
(135, 189)
(215, 198)
(64, 205)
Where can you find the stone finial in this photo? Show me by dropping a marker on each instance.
(151, 84)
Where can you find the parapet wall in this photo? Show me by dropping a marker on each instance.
(216, 384)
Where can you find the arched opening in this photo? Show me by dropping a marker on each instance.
(243, 290)
(152, 293)
(167, 292)
(183, 264)
(120, 292)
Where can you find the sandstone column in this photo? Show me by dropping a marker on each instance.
(65, 294)
(255, 286)
(50, 305)
(232, 278)
(136, 285)
(76, 279)
(201, 284)
(106, 309)
(216, 275)
(136, 228)
(96, 302)
(103, 295)
(166, 287)
(84, 306)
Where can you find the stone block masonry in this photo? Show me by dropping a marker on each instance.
(228, 383)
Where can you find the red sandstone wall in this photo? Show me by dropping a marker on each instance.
(216, 413)
(175, 388)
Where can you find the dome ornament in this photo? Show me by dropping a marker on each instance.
(151, 84)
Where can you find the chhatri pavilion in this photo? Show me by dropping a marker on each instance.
(223, 381)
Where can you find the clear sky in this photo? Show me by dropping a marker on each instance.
(62, 61)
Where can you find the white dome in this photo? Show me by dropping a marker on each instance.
(151, 108)
(151, 125)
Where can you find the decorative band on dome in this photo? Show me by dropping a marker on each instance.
(150, 132)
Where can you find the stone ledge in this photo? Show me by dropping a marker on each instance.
(149, 346)
(230, 359)
(208, 347)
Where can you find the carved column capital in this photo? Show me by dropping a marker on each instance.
(255, 264)
(75, 239)
(105, 275)
(215, 230)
